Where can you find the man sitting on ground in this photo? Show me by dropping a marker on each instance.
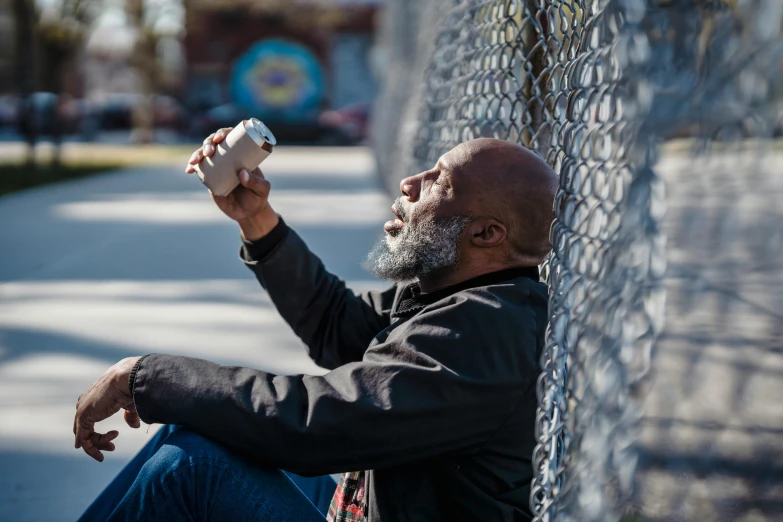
(429, 408)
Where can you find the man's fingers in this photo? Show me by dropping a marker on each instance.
(132, 419)
(84, 429)
(97, 442)
(195, 159)
(76, 439)
(104, 441)
(255, 181)
(207, 149)
(92, 450)
(82, 436)
(221, 134)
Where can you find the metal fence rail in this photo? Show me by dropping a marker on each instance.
(596, 87)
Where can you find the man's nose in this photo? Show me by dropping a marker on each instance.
(410, 189)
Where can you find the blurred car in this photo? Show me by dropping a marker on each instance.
(346, 126)
(45, 107)
(303, 130)
(9, 111)
(46, 114)
(169, 113)
(115, 111)
(226, 115)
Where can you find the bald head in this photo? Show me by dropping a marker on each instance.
(512, 184)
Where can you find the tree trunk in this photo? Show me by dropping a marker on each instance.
(53, 57)
(24, 18)
(57, 121)
(144, 62)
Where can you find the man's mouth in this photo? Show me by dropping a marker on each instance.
(393, 226)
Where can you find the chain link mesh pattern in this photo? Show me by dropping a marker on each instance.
(711, 446)
(594, 87)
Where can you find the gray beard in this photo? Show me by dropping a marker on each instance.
(418, 251)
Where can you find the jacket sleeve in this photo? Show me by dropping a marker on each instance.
(335, 324)
(433, 389)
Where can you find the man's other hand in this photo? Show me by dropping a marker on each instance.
(108, 395)
(247, 204)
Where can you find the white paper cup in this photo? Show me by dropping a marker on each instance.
(245, 147)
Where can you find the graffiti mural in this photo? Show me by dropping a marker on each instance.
(278, 79)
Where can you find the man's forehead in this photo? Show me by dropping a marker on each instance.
(448, 170)
(442, 164)
(457, 165)
(459, 157)
(455, 174)
(449, 162)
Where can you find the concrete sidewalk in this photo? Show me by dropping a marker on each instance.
(140, 261)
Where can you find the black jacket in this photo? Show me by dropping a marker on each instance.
(433, 393)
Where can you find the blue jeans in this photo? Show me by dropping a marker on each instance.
(180, 475)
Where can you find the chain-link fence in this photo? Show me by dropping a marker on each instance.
(662, 119)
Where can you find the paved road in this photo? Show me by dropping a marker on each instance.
(140, 261)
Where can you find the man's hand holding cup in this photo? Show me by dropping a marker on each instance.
(248, 203)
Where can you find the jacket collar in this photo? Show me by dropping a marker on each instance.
(412, 300)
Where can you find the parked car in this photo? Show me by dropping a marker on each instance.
(305, 129)
(9, 111)
(47, 111)
(115, 111)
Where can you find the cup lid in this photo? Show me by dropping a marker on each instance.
(259, 132)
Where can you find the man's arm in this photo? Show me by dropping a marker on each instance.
(335, 324)
(429, 391)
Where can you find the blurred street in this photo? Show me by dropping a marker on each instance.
(138, 261)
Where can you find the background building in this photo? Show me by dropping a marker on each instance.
(282, 62)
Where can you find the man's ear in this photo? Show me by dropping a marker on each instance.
(487, 232)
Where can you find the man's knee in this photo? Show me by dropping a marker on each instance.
(180, 453)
